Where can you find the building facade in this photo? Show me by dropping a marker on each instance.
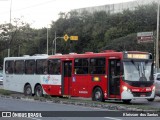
(115, 8)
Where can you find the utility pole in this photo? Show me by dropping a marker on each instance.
(47, 39)
(157, 40)
(10, 28)
(55, 43)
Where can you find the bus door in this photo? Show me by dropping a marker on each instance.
(67, 77)
(114, 78)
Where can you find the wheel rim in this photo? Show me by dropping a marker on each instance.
(28, 91)
(97, 95)
(38, 92)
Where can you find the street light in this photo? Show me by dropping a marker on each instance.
(47, 38)
(54, 43)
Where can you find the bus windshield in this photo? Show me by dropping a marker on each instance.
(137, 71)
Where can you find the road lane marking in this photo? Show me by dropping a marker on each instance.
(112, 118)
(34, 118)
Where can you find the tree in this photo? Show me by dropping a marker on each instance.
(15, 35)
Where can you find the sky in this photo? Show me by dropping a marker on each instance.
(40, 13)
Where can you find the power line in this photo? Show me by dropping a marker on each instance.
(32, 6)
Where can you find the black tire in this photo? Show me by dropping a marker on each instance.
(97, 95)
(38, 91)
(127, 101)
(28, 90)
(151, 99)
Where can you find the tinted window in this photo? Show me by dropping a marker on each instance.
(54, 66)
(97, 65)
(30, 66)
(81, 66)
(41, 67)
(19, 67)
(9, 67)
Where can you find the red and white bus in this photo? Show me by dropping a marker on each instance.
(107, 75)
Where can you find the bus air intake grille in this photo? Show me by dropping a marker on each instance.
(141, 94)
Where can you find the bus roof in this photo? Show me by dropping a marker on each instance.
(27, 57)
(107, 53)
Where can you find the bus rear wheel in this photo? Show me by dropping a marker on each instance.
(27, 90)
(97, 95)
(38, 91)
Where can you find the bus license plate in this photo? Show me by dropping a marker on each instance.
(143, 95)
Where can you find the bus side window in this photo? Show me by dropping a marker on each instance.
(9, 67)
(19, 67)
(54, 66)
(30, 66)
(97, 65)
(9, 70)
(41, 66)
(81, 66)
(50, 68)
(45, 70)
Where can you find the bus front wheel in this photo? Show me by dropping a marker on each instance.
(27, 90)
(38, 91)
(97, 95)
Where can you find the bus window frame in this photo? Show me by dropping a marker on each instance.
(33, 68)
(82, 66)
(59, 67)
(13, 67)
(23, 68)
(105, 69)
(45, 70)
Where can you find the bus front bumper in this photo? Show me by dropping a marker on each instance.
(136, 95)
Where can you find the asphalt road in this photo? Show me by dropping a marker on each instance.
(142, 102)
(9, 104)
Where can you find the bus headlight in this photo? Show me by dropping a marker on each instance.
(125, 88)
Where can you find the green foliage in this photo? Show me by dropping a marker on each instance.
(129, 43)
(5, 92)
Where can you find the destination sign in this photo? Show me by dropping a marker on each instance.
(138, 56)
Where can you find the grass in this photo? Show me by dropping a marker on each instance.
(5, 92)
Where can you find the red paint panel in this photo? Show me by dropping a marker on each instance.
(67, 85)
(52, 89)
(82, 85)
